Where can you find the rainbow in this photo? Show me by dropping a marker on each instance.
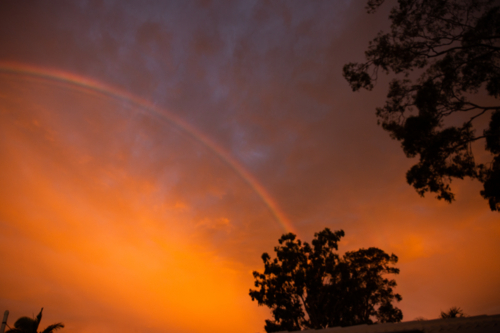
(117, 94)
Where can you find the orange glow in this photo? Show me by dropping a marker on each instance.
(97, 229)
(145, 167)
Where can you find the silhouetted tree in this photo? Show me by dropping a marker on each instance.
(30, 325)
(454, 312)
(454, 45)
(313, 287)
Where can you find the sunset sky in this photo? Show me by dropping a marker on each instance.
(151, 151)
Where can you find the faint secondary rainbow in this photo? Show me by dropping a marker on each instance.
(117, 94)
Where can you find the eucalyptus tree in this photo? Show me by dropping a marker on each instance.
(313, 287)
(445, 56)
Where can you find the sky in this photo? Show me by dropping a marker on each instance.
(151, 151)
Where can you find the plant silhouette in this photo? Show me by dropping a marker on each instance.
(30, 325)
(454, 312)
(455, 48)
(312, 287)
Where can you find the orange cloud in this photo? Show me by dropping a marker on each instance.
(87, 224)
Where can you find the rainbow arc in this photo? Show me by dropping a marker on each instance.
(118, 94)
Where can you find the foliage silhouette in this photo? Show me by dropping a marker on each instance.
(30, 325)
(313, 287)
(454, 312)
(455, 46)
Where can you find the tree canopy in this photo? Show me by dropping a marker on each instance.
(30, 325)
(445, 55)
(312, 287)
